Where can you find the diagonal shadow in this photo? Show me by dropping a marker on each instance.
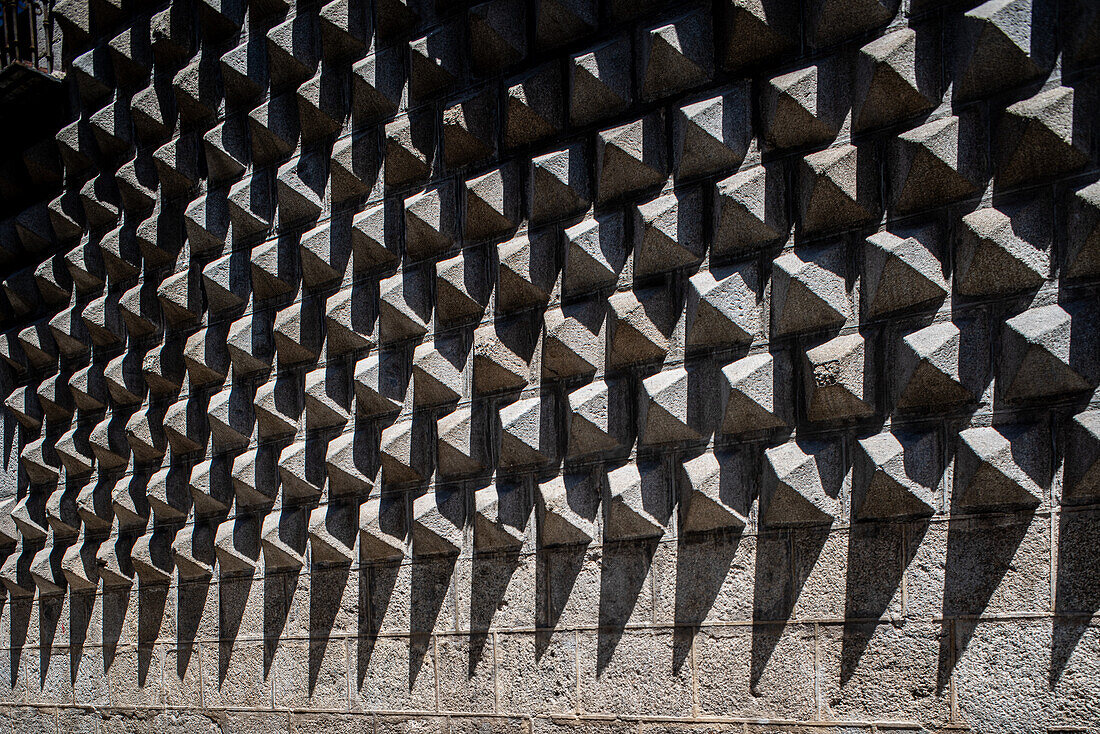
(81, 604)
(556, 571)
(776, 589)
(491, 574)
(623, 570)
(431, 584)
(233, 595)
(152, 599)
(376, 584)
(191, 598)
(973, 571)
(323, 608)
(702, 564)
(878, 555)
(1077, 586)
(278, 593)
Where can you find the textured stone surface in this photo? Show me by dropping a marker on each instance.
(554, 365)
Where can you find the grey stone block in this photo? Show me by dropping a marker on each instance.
(936, 163)
(1046, 352)
(676, 56)
(1000, 467)
(668, 233)
(801, 485)
(895, 475)
(630, 158)
(995, 47)
(998, 253)
(838, 383)
(533, 108)
(600, 82)
(809, 293)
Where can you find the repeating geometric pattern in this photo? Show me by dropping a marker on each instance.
(363, 285)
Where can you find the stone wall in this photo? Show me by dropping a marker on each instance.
(557, 366)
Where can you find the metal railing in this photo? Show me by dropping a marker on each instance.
(25, 34)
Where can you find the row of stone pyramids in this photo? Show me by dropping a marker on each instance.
(324, 250)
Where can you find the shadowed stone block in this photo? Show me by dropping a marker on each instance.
(567, 507)
(934, 164)
(892, 83)
(799, 486)
(597, 418)
(283, 539)
(1082, 468)
(892, 479)
(377, 85)
(1083, 255)
(1000, 43)
(430, 226)
(798, 109)
(838, 381)
(383, 527)
(497, 37)
(1040, 138)
(600, 82)
(345, 463)
(533, 108)
(630, 158)
(437, 523)
(676, 56)
(1048, 351)
(713, 134)
(595, 253)
(458, 446)
(639, 327)
(722, 307)
(559, 21)
(668, 233)
(401, 460)
(927, 371)
(750, 211)
(438, 371)
(500, 518)
(211, 486)
(527, 433)
(574, 340)
(559, 184)
(497, 366)
(461, 286)
(666, 414)
(748, 396)
(839, 189)
(527, 270)
(709, 497)
(492, 204)
(378, 387)
(469, 130)
(322, 104)
(996, 254)
(332, 532)
(434, 62)
(808, 293)
(637, 504)
(901, 272)
(999, 468)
